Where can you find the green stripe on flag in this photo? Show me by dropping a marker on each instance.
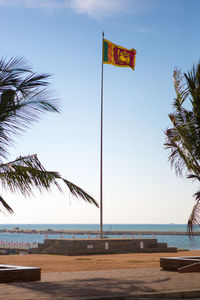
(105, 52)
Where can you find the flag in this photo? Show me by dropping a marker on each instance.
(118, 56)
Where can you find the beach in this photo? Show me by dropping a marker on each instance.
(61, 263)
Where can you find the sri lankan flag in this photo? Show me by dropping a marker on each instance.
(118, 56)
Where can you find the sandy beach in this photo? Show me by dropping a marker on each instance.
(61, 263)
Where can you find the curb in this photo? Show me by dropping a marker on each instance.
(190, 294)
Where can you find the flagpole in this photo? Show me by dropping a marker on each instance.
(101, 150)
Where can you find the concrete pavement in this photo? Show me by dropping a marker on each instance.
(106, 284)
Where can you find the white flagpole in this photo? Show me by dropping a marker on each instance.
(101, 150)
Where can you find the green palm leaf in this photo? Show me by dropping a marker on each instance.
(183, 139)
(27, 173)
(24, 96)
(5, 205)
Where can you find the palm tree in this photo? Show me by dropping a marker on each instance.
(183, 139)
(24, 95)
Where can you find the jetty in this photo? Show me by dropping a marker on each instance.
(95, 232)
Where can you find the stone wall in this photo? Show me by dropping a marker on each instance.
(104, 246)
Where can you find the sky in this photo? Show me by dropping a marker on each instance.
(64, 38)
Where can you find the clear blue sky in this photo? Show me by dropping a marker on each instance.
(63, 37)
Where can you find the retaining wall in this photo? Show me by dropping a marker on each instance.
(104, 246)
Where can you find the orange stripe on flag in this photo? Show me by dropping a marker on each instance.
(110, 52)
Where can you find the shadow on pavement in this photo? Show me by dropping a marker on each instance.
(85, 287)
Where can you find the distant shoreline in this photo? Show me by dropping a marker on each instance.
(95, 232)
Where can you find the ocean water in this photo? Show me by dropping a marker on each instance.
(181, 242)
(150, 227)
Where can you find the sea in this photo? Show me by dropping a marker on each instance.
(179, 241)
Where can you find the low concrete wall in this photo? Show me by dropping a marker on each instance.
(9, 273)
(174, 263)
(104, 246)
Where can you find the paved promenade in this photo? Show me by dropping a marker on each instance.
(120, 284)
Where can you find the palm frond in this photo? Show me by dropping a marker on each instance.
(31, 83)
(78, 192)
(183, 139)
(14, 63)
(11, 70)
(181, 156)
(5, 205)
(24, 96)
(25, 174)
(182, 91)
(194, 218)
(193, 82)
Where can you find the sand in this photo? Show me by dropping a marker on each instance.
(61, 263)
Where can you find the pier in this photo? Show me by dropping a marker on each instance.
(96, 232)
